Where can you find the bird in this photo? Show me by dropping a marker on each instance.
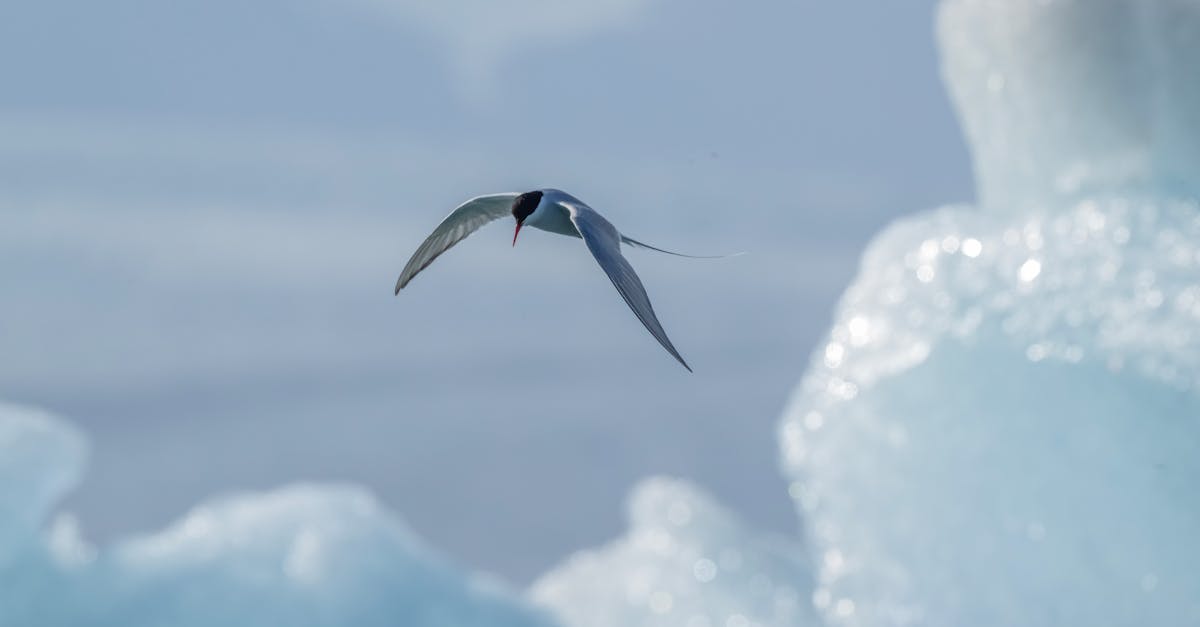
(555, 211)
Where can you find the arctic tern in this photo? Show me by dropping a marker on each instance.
(557, 212)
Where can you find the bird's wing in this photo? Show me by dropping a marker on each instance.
(603, 239)
(461, 222)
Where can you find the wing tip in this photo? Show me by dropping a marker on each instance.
(679, 358)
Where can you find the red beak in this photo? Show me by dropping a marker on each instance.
(515, 233)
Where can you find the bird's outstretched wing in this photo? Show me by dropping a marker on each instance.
(461, 222)
(603, 239)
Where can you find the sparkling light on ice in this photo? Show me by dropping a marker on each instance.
(1001, 428)
(684, 561)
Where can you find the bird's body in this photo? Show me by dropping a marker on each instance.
(552, 216)
(557, 212)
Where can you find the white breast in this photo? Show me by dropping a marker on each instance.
(551, 216)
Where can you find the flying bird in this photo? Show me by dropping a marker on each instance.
(557, 212)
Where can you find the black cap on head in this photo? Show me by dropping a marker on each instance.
(524, 205)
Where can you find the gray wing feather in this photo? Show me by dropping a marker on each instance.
(604, 241)
(461, 222)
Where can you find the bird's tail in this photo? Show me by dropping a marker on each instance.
(632, 242)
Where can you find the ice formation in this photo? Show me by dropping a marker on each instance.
(1003, 427)
(39, 461)
(684, 562)
(305, 555)
(330, 555)
(1062, 99)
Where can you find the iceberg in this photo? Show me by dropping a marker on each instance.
(42, 459)
(303, 555)
(313, 555)
(685, 561)
(1003, 425)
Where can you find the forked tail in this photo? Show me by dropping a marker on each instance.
(632, 242)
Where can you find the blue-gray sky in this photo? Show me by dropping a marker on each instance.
(203, 207)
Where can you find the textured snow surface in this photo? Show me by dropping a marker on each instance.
(304, 555)
(684, 561)
(1003, 426)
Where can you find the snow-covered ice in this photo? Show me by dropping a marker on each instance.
(1003, 426)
